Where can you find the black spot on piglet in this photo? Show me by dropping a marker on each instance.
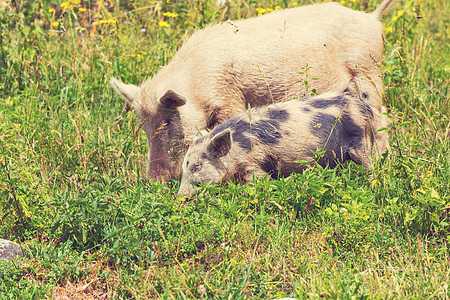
(240, 129)
(225, 125)
(279, 115)
(267, 131)
(366, 110)
(270, 166)
(338, 101)
(321, 103)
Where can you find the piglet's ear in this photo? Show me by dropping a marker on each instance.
(130, 92)
(220, 145)
(172, 100)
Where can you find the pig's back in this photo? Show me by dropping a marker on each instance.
(258, 59)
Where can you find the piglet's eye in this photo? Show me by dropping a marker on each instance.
(196, 167)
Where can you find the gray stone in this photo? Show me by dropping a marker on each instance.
(9, 251)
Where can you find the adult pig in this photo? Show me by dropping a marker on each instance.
(272, 139)
(224, 68)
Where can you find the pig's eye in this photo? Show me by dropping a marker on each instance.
(196, 168)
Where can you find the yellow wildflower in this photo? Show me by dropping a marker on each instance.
(261, 11)
(66, 5)
(74, 1)
(269, 9)
(394, 18)
(109, 21)
(170, 14)
(55, 23)
(82, 9)
(51, 10)
(400, 13)
(342, 2)
(295, 3)
(163, 24)
(353, 1)
(277, 7)
(389, 29)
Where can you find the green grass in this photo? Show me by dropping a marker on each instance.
(71, 168)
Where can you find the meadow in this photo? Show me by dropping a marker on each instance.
(73, 190)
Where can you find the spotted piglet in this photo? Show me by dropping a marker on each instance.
(272, 139)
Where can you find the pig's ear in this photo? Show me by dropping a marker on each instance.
(172, 100)
(220, 145)
(128, 91)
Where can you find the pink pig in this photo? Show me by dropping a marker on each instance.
(224, 68)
